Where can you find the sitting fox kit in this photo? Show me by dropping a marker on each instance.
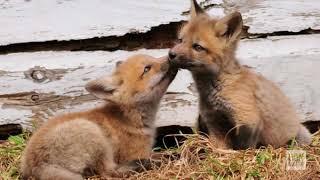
(74, 145)
(238, 108)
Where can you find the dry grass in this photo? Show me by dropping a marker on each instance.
(10, 153)
(197, 158)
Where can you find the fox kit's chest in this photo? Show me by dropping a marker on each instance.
(211, 99)
(214, 109)
(132, 146)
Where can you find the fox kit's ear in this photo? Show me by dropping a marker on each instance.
(118, 63)
(195, 9)
(230, 26)
(102, 88)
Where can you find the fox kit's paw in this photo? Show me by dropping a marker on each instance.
(51, 171)
(139, 165)
(202, 127)
(304, 136)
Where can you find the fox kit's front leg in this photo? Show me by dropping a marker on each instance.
(215, 137)
(202, 126)
(214, 130)
(225, 132)
(245, 137)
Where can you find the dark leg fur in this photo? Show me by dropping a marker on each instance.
(202, 126)
(221, 122)
(245, 138)
(141, 165)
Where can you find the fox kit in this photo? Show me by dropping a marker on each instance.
(238, 108)
(97, 141)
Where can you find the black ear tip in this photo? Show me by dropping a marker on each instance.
(197, 7)
(91, 86)
(118, 63)
(87, 86)
(236, 19)
(196, 4)
(237, 15)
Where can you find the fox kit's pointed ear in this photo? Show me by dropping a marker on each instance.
(195, 9)
(118, 63)
(230, 26)
(102, 88)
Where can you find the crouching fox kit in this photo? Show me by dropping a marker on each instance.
(98, 141)
(238, 107)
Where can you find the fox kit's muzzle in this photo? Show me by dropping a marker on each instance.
(168, 67)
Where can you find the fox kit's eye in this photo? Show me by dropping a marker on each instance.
(146, 69)
(197, 47)
(179, 40)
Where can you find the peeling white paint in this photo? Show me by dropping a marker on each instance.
(63, 59)
(279, 46)
(34, 21)
(15, 116)
(27, 21)
(181, 110)
(267, 16)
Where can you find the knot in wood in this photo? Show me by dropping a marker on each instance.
(38, 75)
(35, 97)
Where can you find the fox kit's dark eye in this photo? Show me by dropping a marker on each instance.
(197, 47)
(179, 40)
(146, 69)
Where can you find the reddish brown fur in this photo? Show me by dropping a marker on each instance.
(99, 139)
(229, 91)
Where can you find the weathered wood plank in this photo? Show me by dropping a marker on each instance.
(34, 21)
(24, 99)
(294, 68)
(27, 21)
(267, 16)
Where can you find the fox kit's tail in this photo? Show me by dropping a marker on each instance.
(304, 136)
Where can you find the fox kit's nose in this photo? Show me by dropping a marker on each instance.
(172, 55)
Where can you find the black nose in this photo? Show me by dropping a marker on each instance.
(172, 55)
